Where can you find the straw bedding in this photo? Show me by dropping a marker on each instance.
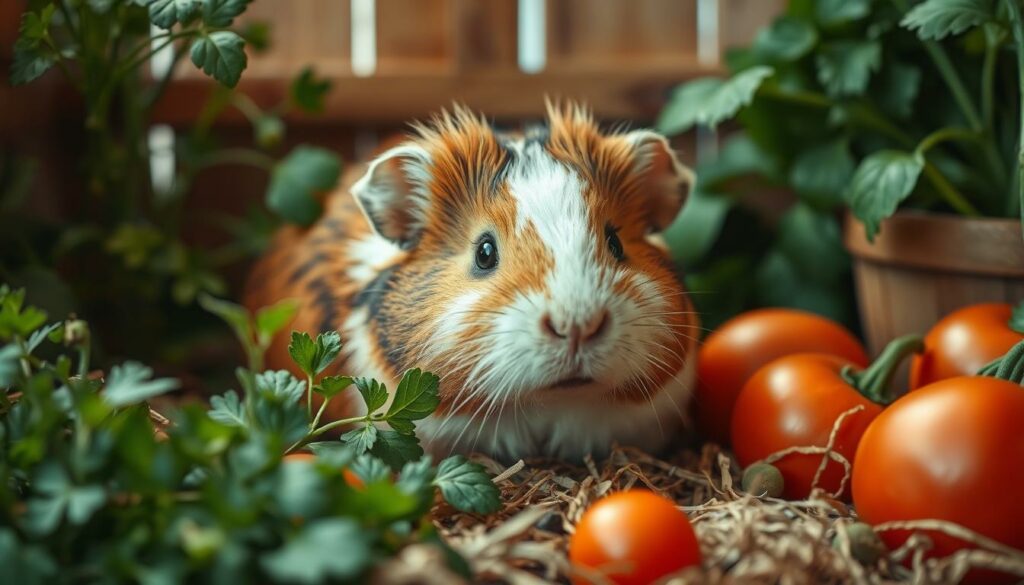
(744, 539)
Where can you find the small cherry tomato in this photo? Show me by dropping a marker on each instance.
(796, 400)
(951, 451)
(964, 341)
(741, 346)
(634, 538)
(350, 477)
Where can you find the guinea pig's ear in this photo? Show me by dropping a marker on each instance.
(393, 193)
(664, 181)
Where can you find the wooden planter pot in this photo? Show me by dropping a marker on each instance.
(921, 266)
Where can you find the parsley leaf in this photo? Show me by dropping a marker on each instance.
(331, 386)
(314, 357)
(334, 548)
(466, 486)
(373, 392)
(228, 409)
(415, 398)
(361, 439)
(221, 55)
(132, 382)
(937, 19)
(396, 449)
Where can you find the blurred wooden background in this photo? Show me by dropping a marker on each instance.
(403, 60)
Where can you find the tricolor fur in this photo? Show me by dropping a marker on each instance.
(567, 344)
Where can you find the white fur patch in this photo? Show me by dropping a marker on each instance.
(368, 256)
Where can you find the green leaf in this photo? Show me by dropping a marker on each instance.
(308, 92)
(836, 12)
(228, 409)
(331, 386)
(221, 13)
(373, 392)
(415, 398)
(166, 13)
(270, 320)
(466, 486)
(256, 35)
(298, 182)
(221, 55)
(880, 183)
(937, 19)
(845, 67)
(709, 101)
(10, 356)
(396, 449)
(314, 357)
(24, 564)
(898, 87)
(785, 40)
(1017, 318)
(361, 439)
(333, 454)
(16, 320)
(281, 385)
(370, 469)
(697, 227)
(132, 382)
(417, 478)
(821, 173)
(328, 549)
(32, 56)
(83, 503)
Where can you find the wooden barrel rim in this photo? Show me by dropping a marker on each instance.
(940, 242)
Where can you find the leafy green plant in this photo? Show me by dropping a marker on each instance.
(99, 487)
(867, 104)
(129, 231)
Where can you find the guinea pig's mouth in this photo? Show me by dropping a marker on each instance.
(573, 382)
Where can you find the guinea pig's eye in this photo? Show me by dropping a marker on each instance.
(611, 234)
(486, 253)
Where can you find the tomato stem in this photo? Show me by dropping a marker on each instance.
(873, 381)
(1009, 367)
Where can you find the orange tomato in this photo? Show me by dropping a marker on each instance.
(952, 451)
(964, 341)
(350, 478)
(795, 401)
(741, 346)
(634, 537)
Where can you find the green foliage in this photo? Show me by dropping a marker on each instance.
(221, 55)
(92, 489)
(709, 101)
(863, 105)
(937, 19)
(881, 182)
(299, 181)
(128, 230)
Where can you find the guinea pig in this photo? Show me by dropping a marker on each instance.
(523, 269)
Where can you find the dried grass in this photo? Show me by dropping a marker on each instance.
(744, 539)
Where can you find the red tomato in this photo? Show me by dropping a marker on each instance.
(963, 342)
(732, 354)
(795, 401)
(350, 478)
(953, 451)
(634, 538)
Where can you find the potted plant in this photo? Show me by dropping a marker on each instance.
(908, 115)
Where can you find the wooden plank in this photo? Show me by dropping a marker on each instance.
(486, 34)
(590, 32)
(627, 94)
(739, 20)
(415, 35)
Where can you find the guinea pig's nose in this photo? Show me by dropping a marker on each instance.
(577, 333)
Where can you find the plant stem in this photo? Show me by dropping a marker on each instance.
(339, 423)
(988, 77)
(309, 396)
(944, 135)
(950, 193)
(1009, 366)
(1013, 7)
(873, 381)
(319, 413)
(807, 98)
